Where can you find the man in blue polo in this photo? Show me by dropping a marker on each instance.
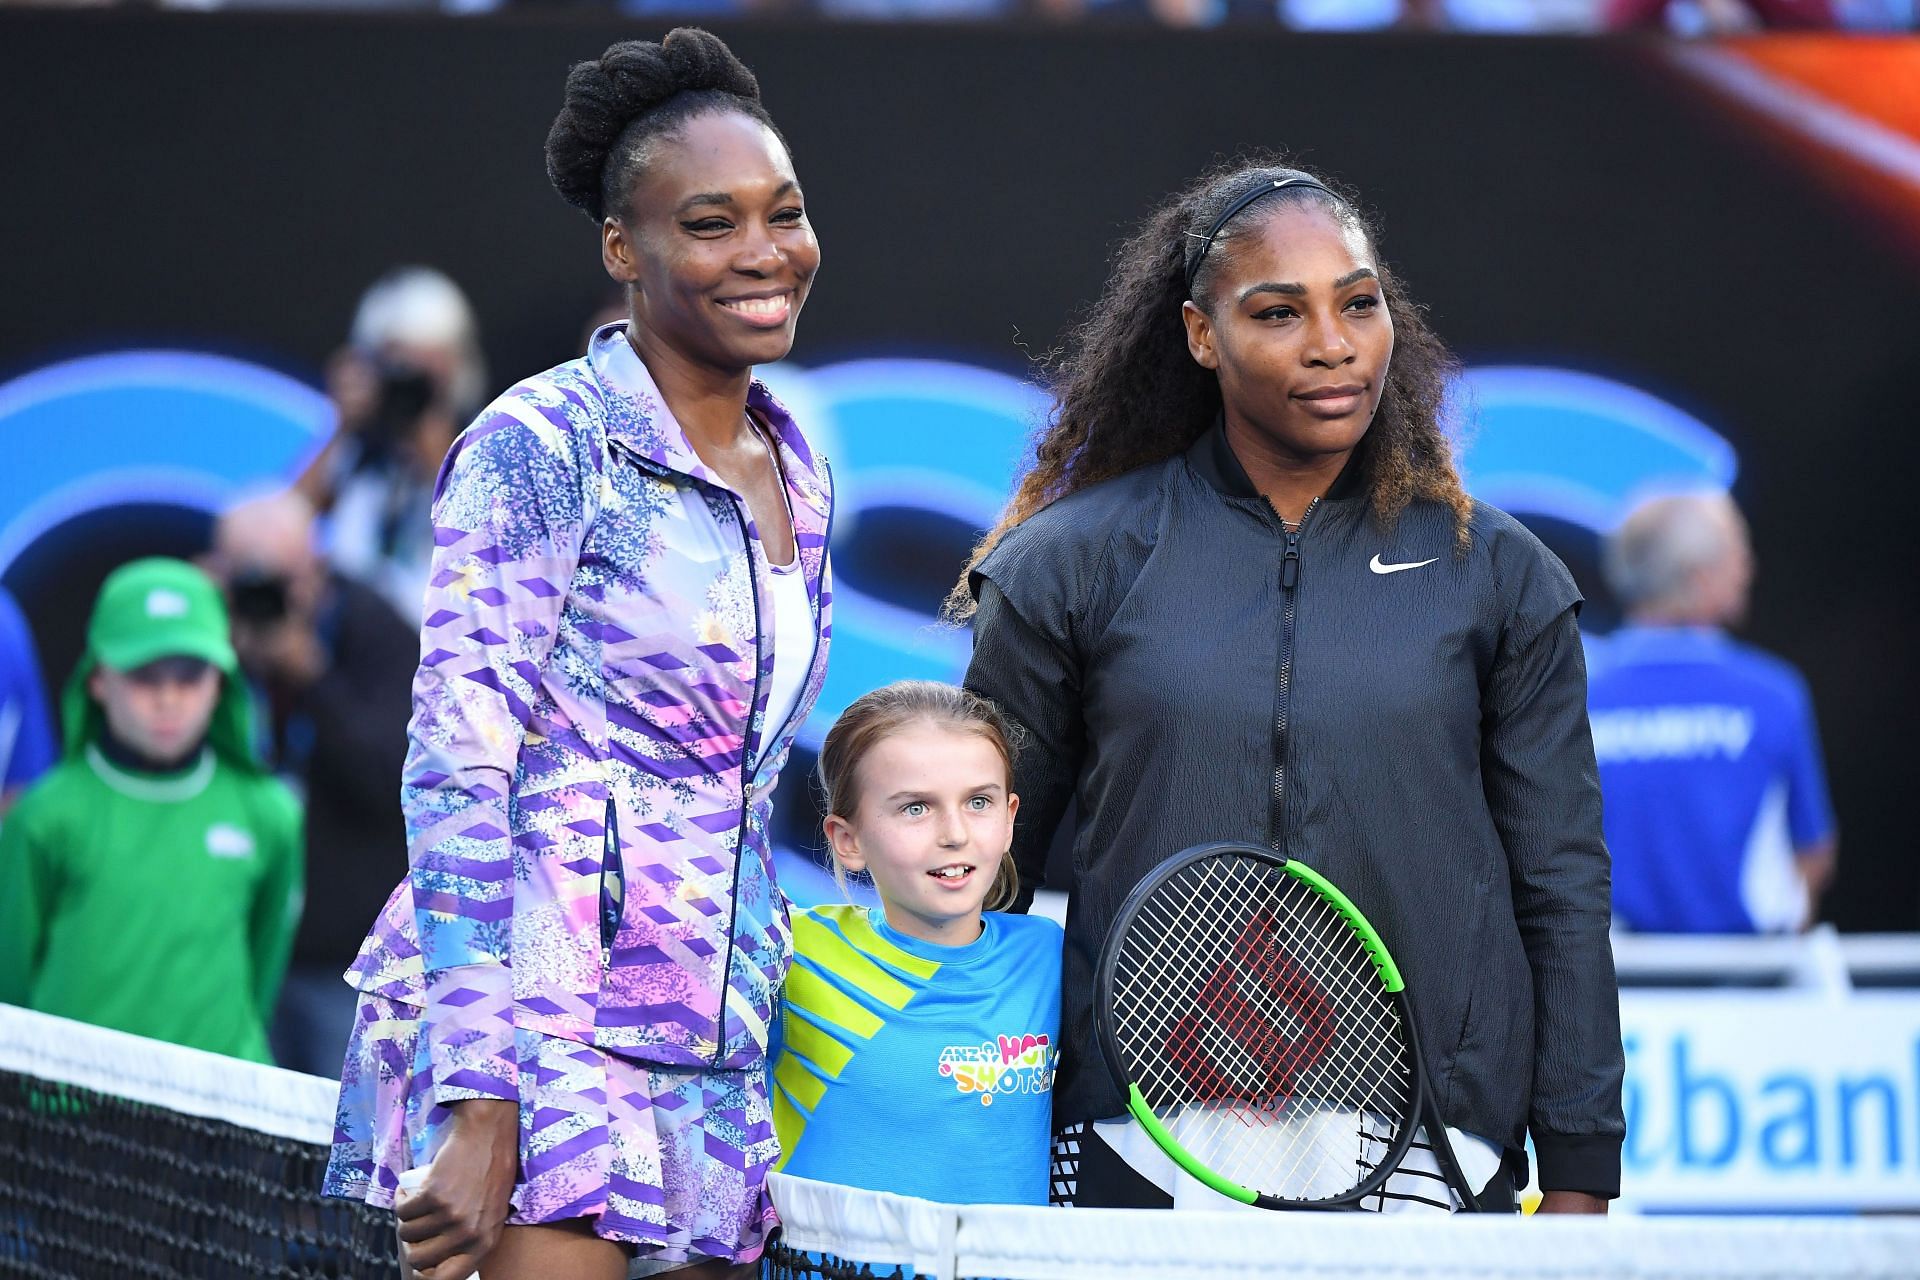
(1716, 801)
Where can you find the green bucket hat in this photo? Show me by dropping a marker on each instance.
(152, 609)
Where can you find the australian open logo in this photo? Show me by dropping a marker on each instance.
(1005, 1064)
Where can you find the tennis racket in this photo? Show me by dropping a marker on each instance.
(1263, 1032)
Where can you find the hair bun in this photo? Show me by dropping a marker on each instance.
(626, 82)
(701, 60)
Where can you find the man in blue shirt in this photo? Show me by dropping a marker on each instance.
(26, 733)
(1716, 800)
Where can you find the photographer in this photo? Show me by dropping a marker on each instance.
(330, 665)
(409, 378)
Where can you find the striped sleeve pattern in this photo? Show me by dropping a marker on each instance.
(508, 522)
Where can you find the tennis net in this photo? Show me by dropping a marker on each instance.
(124, 1157)
(838, 1233)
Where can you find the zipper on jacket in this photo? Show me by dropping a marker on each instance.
(746, 772)
(747, 760)
(1283, 677)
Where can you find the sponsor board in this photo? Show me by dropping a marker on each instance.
(1758, 1100)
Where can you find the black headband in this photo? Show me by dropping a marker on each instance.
(1233, 210)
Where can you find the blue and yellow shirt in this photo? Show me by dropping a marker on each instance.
(904, 1066)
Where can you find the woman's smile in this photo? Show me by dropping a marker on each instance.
(765, 310)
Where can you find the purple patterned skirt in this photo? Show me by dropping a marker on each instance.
(670, 1161)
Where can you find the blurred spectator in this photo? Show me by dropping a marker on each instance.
(1342, 15)
(26, 736)
(1716, 803)
(409, 378)
(1721, 17)
(917, 10)
(151, 881)
(332, 665)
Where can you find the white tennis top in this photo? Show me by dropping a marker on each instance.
(793, 633)
(793, 640)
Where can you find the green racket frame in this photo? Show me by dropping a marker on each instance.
(1419, 1105)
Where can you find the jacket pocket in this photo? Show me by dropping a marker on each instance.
(613, 886)
(1490, 1069)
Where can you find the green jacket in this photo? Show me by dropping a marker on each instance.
(163, 905)
(159, 904)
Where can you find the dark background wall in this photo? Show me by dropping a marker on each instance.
(231, 183)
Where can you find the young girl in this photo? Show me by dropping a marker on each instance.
(917, 1040)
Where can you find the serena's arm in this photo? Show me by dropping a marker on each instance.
(1544, 794)
(1028, 668)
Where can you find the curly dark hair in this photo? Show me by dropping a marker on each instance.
(636, 92)
(1128, 393)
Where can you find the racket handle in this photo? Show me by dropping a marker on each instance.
(1450, 1163)
(1435, 1123)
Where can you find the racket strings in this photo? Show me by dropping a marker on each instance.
(1319, 1150)
(1319, 1147)
(1374, 1027)
(1178, 963)
(1244, 1003)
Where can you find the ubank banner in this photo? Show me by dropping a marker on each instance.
(1769, 1100)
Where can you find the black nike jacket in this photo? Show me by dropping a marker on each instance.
(1407, 719)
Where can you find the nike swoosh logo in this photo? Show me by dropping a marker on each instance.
(1375, 565)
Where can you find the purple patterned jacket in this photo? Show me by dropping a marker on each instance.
(590, 770)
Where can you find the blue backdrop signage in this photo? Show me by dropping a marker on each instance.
(1764, 1100)
(923, 453)
(1579, 448)
(172, 427)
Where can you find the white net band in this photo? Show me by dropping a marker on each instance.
(1020, 1243)
(188, 1081)
(121, 1156)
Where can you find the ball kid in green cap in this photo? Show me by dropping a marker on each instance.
(152, 879)
(159, 676)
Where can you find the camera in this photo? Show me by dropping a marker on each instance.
(405, 393)
(258, 598)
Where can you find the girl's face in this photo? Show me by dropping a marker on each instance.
(932, 822)
(1299, 332)
(716, 245)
